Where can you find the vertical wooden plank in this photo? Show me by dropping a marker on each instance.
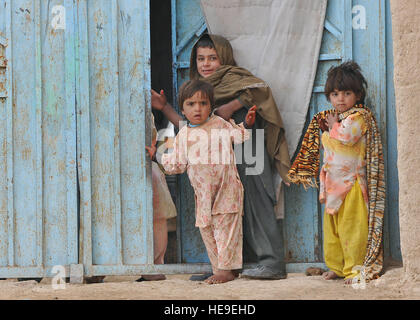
(9, 133)
(347, 30)
(24, 134)
(70, 132)
(3, 139)
(119, 112)
(103, 134)
(55, 134)
(134, 100)
(38, 134)
(115, 124)
(83, 137)
(147, 169)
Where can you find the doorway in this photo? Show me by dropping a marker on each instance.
(161, 78)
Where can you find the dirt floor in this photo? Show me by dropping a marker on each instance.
(297, 286)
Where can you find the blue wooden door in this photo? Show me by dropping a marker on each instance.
(75, 109)
(38, 185)
(354, 29)
(113, 125)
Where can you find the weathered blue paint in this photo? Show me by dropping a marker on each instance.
(38, 159)
(76, 108)
(83, 130)
(115, 184)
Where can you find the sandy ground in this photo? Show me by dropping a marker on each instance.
(297, 286)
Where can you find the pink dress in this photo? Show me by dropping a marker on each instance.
(206, 153)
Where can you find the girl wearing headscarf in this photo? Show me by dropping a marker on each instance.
(236, 91)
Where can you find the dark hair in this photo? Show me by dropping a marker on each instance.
(191, 87)
(346, 76)
(205, 42)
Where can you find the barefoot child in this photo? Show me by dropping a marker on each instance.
(236, 90)
(352, 185)
(204, 149)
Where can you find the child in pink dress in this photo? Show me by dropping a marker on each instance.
(203, 148)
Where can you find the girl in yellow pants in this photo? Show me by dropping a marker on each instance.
(345, 236)
(343, 185)
(351, 180)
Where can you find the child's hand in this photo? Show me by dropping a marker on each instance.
(158, 100)
(151, 151)
(250, 117)
(323, 124)
(332, 119)
(169, 142)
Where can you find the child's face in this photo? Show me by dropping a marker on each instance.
(197, 108)
(207, 61)
(343, 100)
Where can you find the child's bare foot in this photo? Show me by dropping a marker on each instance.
(348, 281)
(329, 275)
(221, 276)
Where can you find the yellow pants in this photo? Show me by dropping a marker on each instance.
(346, 234)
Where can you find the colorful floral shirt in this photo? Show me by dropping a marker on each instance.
(206, 153)
(344, 161)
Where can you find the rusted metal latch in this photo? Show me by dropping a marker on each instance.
(3, 66)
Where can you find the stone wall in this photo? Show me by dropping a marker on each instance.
(406, 41)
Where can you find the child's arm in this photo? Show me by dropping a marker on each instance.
(160, 103)
(238, 132)
(225, 111)
(151, 152)
(349, 131)
(176, 161)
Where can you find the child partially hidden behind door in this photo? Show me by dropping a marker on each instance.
(352, 184)
(163, 209)
(211, 168)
